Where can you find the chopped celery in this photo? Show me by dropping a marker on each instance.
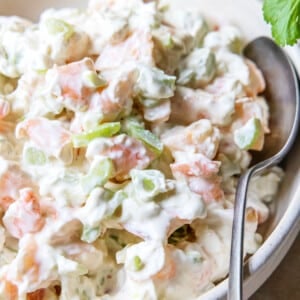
(57, 26)
(250, 136)
(146, 136)
(149, 183)
(42, 71)
(93, 80)
(103, 130)
(198, 68)
(34, 156)
(90, 234)
(154, 83)
(137, 263)
(98, 175)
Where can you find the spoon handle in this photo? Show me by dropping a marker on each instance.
(235, 290)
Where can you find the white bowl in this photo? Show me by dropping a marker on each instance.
(284, 223)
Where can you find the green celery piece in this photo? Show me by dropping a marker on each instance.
(246, 136)
(148, 184)
(93, 80)
(103, 130)
(98, 175)
(284, 17)
(155, 84)
(56, 26)
(35, 157)
(147, 137)
(90, 234)
(137, 263)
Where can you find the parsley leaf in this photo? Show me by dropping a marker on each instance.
(284, 17)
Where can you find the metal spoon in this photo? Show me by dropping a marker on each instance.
(282, 93)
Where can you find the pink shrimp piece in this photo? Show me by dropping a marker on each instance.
(219, 86)
(48, 135)
(257, 81)
(191, 102)
(30, 264)
(126, 153)
(200, 137)
(75, 93)
(199, 166)
(11, 182)
(247, 108)
(137, 47)
(24, 215)
(4, 108)
(210, 189)
(116, 99)
(169, 269)
(10, 289)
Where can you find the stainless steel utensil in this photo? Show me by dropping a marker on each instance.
(282, 93)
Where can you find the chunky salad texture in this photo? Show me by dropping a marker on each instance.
(123, 130)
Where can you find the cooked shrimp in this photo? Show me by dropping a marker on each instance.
(199, 104)
(209, 188)
(196, 165)
(257, 82)
(169, 269)
(247, 108)
(10, 290)
(48, 135)
(137, 47)
(126, 153)
(24, 215)
(75, 92)
(199, 137)
(11, 181)
(115, 100)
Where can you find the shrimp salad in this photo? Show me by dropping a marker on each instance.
(124, 128)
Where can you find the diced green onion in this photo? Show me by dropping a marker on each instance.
(98, 175)
(147, 137)
(247, 136)
(57, 26)
(103, 130)
(90, 234)
(93, 80)
(34, 156)
(137, 263)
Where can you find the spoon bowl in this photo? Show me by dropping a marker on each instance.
(282, 94)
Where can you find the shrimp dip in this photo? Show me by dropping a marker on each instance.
(124, 128)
